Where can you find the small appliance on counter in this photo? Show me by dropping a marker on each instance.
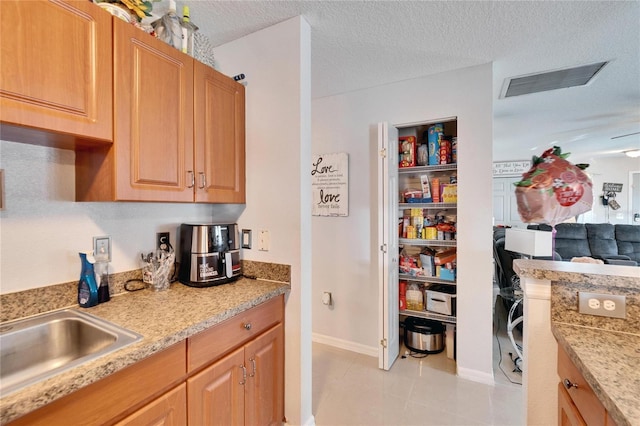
(209, 254)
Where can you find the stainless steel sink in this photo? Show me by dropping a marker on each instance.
(39, 347)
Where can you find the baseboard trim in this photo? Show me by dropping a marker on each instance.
(344, 344)
(476, 376)
(311, 421)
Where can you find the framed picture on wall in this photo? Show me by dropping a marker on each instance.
(330, 184)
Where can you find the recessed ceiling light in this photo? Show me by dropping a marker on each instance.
(550, 80)
(634, 153)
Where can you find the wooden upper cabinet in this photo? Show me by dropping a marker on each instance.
(55, 71)
(219, 137)
(154, 118)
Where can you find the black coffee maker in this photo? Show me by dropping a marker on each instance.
(209, 254)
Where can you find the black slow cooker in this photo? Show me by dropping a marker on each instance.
(423, 336)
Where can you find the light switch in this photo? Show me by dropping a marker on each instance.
(246, 238)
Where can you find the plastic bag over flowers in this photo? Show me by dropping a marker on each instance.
(553, 190)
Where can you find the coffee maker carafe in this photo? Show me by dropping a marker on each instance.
(209, 254)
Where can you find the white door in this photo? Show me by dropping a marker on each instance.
(634, 198)
(388, 313)
(505, 206)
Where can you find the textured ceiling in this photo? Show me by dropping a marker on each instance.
(361, 44)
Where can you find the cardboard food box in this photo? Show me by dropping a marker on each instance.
(448, 274)
(450, 193)
(444, 257)
(407, 150)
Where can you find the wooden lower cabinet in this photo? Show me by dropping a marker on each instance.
(240, 382)
(216, 395)
(568, 414)
(168, 410)
(116, 396)
(244, 387)
(264, 390)
(577, 402)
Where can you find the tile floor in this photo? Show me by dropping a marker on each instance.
(349, 389)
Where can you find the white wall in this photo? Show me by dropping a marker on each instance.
(43, 228)
(612, 170)
(345, 249)
(276, 62)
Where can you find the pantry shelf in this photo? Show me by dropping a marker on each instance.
(417, 170)
(434, 243)
(429, 315)
(431, 280)
(431, 206)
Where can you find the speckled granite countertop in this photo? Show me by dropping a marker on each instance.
(617, 276)
(162, 318)
(605, 350)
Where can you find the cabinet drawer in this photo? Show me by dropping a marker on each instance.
(208, 345)
(590, 407)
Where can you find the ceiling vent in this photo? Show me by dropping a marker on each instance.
(550, 80)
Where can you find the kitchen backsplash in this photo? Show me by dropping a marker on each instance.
(564, 306)
(38, 300)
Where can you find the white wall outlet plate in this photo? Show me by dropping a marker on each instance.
(604, 305)
(264, 240)
(102, 249)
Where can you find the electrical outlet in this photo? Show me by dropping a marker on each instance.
(162, 240)
(604, 305)
(102, 249)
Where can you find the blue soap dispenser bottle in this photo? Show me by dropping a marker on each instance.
(87, 286)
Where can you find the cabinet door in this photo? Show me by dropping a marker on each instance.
(55, 67)
(568, 414)
(264, 398)
(219, 137)
(216, 395)
(154, 118)
(168, 410)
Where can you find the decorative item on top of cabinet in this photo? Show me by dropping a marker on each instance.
(56, 73)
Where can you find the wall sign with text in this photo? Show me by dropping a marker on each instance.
(330, 184)
(510, 168)
(611, 187)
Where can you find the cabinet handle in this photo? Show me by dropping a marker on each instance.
(568, 384)
(244, 374)
(192, 180)
(253, 362)
(203, 180)
(247, 326)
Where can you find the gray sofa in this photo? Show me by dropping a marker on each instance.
(598, 240)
